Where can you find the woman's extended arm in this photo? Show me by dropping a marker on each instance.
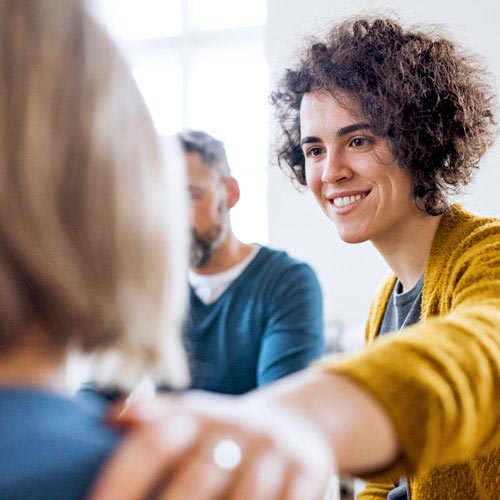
(290, 434)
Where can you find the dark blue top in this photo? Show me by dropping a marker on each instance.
(267, 324)
(51, 448)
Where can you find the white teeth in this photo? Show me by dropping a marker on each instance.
(346, 200)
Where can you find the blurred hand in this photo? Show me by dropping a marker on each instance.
(168, 452)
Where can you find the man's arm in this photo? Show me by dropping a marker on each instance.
(293, 336)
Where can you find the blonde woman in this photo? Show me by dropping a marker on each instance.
(92, 245)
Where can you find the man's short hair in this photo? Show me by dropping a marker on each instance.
(211, 150)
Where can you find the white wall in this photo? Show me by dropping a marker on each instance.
(350, 273)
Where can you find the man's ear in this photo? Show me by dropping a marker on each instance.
(233, 192)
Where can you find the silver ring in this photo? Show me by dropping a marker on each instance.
(227, 454)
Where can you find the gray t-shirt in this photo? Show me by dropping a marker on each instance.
(403, 309)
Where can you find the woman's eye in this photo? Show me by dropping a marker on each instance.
(314, 152)
(359, 142)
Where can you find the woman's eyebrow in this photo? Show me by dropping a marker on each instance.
(309, 140)
(352, 128)
(340, 132)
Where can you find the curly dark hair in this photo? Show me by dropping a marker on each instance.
(432, 101)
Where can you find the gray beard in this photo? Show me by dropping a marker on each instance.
(202, 247)
(199, 251)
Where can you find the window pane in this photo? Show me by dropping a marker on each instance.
(161, 85)
(228, 99)
(141, 19)
(249, 216)
(228, 94)
(224, 14)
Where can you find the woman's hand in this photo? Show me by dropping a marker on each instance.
(207, 447)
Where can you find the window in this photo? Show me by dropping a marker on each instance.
(201, 64)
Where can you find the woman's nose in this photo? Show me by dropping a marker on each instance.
(335, 169)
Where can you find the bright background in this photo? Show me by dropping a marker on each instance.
(201, 64)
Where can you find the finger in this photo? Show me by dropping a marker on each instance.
(261, 476)
(144, 410)
(144, 458)
(305, 486)
(198, 476)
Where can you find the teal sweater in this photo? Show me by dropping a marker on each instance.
(267, 324)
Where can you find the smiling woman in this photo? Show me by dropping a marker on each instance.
(444, 155)
(353, 174)
(383, 124)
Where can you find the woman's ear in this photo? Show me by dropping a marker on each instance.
(233, 191)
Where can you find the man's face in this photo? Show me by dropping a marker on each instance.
(209, 210)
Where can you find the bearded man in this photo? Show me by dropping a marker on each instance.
(255, 314)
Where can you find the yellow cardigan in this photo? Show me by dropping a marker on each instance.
(440, 379)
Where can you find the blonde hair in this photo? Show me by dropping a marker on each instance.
(93, 231)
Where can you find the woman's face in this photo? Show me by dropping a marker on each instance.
(353, 173)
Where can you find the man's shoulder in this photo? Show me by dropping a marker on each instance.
(278, 264)
(280, 257)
